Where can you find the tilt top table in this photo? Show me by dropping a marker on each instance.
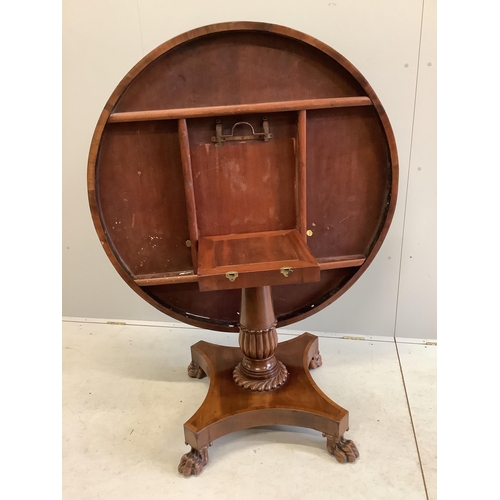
(241, 177)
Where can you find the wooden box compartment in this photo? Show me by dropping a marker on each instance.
(255, 259)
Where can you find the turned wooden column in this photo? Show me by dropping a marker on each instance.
(259, 370)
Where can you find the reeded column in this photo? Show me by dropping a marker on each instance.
(259, 370)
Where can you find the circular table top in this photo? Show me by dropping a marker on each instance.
(157, 181)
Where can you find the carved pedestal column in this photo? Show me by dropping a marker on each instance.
(259, 370)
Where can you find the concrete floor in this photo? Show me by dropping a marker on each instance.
(126, 396)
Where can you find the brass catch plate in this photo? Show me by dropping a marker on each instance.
(286, 271)
(231, 275)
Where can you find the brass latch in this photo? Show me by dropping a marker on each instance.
(231, 276)
(286, 271)
(220, 138)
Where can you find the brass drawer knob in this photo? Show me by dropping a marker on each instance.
(231, 276)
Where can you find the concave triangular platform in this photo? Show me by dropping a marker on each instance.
(228, 407)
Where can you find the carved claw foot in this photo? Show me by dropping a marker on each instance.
(316, 361)
(344, 450)
(194, 371)
(193, 462)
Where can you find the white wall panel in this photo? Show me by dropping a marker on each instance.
(103, 40)
(416, 316)
(101, 43)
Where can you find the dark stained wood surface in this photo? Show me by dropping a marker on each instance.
(138, 166)
(149, 213)
(237, 67)
(347, 183)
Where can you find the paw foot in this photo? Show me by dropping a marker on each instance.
(194, 371)
(316, 361)
(193, 462)
(344, 450)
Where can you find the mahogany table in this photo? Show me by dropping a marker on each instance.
(241, 177)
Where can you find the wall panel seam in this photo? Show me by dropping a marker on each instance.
(409, 170)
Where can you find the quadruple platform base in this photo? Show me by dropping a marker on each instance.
(228, 407)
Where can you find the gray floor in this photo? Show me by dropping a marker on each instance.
(126, 396)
